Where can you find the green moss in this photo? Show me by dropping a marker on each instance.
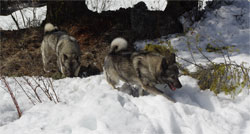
(156, 48)
(211, 48)
(161, 49)
(225, 78)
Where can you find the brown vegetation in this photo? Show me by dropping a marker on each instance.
(20, 52)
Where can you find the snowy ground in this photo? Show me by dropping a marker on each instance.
(91, 106)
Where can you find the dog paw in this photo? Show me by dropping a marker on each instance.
(46, 70)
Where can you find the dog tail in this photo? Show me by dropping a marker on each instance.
(49, 28)
(118, 44)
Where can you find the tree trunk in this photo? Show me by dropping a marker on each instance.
(59, 12)
(175, 8)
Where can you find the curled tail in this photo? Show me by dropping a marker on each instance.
(118, 44)
(49, 28)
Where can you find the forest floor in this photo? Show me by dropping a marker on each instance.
(21, 55)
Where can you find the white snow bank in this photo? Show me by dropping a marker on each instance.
(32, 17)
(90, 105)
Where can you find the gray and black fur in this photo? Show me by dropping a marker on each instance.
(64, 47)
(140, 69)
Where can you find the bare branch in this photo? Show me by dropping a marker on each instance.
(12, 96)
(24, 91)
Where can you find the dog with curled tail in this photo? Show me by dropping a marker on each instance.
(64, 47)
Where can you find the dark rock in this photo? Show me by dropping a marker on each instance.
(152, 24)
(88, 71)
(178, 7)
(143, 22)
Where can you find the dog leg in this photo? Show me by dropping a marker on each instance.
(153, 90)
(140, 91)
(111, 82)
(60, 65)
(77, 71)
(45, 57)
(45, 64)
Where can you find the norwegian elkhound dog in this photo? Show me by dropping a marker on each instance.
(64, 47)
(140, 69)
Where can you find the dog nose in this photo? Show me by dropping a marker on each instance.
(178, 84)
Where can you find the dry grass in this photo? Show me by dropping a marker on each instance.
(20, 52)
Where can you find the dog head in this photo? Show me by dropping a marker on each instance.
(170, 72)
(70, 65)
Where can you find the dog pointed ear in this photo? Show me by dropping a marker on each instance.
(164, 64)
(172, 58)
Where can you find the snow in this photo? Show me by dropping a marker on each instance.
(91, 106)
(32, 17)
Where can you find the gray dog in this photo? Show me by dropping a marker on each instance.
(139, 69)
(64, 47)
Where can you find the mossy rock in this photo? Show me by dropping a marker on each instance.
(162, 50)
